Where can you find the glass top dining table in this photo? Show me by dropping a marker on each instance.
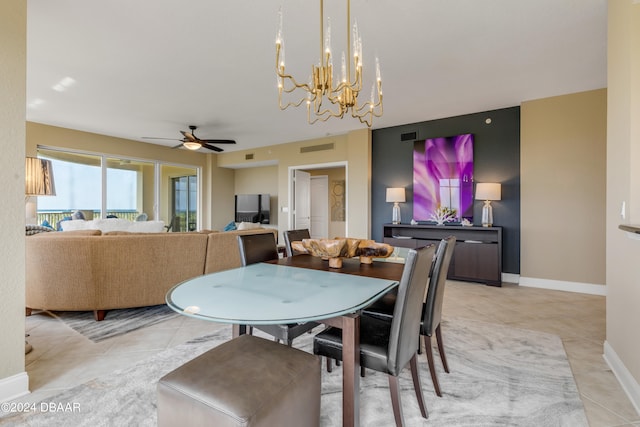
(275, 294)
(294, 290)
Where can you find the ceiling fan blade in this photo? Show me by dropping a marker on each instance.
(169, 139)
(177, 146)
(218, 141)
(189, 136)
(211, 147)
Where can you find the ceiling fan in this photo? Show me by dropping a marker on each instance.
(192, 142)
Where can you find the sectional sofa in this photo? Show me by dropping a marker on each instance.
(88, 270)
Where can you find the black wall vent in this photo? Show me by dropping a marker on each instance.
(409, 136)
(248, 156)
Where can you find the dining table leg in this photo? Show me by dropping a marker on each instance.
(238, 330)
(351, 370)
(350, 325)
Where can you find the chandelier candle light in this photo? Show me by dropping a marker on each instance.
(487, 192)
(395, 196)
(343, 97)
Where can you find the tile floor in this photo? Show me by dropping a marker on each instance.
(61, 358)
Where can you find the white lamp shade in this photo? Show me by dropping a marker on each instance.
(39, 177)
(488, 191)
(395, 195)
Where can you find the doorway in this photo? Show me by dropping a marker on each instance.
(317, 197)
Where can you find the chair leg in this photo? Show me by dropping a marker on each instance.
(394, 389)
(443, 357)
(432, 368)
(329, 364)
(415, 374)
(362, 371)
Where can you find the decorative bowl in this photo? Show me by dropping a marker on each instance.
(332, 249)
(343, 247)
(369, 249)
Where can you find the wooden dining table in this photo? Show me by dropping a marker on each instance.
(297, 289)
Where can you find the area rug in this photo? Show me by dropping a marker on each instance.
(500, 376)
(116, 322)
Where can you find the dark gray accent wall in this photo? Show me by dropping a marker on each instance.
(496, 159)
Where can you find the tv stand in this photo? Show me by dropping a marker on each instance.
(477, 256)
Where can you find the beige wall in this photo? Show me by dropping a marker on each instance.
(563, 180)
(354, 149)
(622, 347)
(13, 33)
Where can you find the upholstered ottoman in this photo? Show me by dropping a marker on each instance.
(248, 381)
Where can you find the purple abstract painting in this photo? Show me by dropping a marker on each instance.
(443, 176)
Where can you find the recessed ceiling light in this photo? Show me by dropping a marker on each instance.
(35, 103)
(63, 84)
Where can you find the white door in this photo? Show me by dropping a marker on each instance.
(320, 207)
(301, 199)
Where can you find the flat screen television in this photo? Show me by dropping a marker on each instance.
(443, 177)
(252, 208)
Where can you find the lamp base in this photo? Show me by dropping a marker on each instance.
(487, 214)
(395, 218)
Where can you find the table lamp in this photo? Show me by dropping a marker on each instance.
(38, 182)
(395, 196)
(488, 191)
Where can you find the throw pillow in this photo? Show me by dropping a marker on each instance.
(146, 227)
(35, 229)
(78, 215)
(249, 225)
(229, 227)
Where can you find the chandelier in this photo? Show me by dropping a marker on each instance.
(323, 97)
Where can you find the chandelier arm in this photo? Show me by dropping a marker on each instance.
(365, 121)
(290, 78)
(323, 117)
(292, 88)
(290, 104)
(369, 106)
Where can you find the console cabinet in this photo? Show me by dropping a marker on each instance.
(477, 256)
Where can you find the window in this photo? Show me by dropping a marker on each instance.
(184, 203)
(105, 186)
(181, 197)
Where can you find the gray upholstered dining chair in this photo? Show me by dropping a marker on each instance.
(431, 310)
(256, 248)
(294, 236)
(388, 345)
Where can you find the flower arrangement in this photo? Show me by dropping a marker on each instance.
(443, 214)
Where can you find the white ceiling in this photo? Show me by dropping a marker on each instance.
(153, 67)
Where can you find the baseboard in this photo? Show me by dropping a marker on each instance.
(14, 386)
(560, 285)
(510, 278)
(626, 380)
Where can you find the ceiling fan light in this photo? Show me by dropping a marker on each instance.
(192, 145)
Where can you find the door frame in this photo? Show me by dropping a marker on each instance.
(329, 165)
